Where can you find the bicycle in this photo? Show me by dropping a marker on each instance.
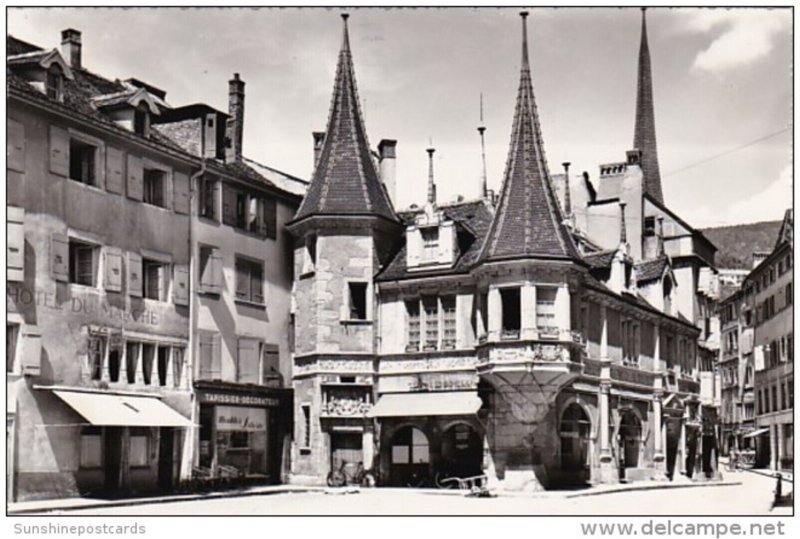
(341, 476)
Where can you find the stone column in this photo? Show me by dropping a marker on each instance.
(608, 471)
(603, 334)
(779, 444)
(682, 442)
(563, 308)
(495, 314)
(659, 459)
(773, 447)
(368, 443)
(528, 312)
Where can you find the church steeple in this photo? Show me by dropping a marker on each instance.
(528, 221)
(644, 137)
(345, 180)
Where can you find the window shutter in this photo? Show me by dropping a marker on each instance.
(135, 275)
(180, 184)
(135, 178)
(100, 166)
(242, 280)
(15, 246)
(180, 289)
(216, 357)
(15, 146)
(270, 218)
(59, 151)
(247, 364)
(59, 257)
(270, 367)
(113, 270)
(115, 178)
(32, 353)
(216, 270)
(229, 194)
(257, 283)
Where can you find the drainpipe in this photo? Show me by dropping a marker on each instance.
(190, 444)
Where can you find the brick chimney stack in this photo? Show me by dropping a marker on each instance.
(71, 47)
(233, 152)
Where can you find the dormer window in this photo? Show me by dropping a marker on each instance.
(430, 244)
(141, 121)
(53, 82)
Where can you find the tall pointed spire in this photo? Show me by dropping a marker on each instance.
(481, 131)
(345, 180)
(528, 221)
(644, 135)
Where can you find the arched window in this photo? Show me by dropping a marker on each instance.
(410, 446)
(575, 431)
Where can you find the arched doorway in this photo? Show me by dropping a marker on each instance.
(630, 438)
(409, 458)
(461, 454)
(575, 432)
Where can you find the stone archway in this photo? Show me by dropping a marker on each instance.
(575, 431)
(409, 457)
(629, 440)
(461, 453)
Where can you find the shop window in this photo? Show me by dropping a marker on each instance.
(511, 312)
(113, 365)
(546, 308)
(131, 360)
(12, 334)
(163, 365)
(357, 300)
(208, 198)
(413, 325)
(430, 244)
(155, 282)
(448, 322)
(138, 455)
(83, 260)
(430, 306)
(96, 353)
(155, 187)
(148, 354)
(91, 447)
(306, 441)
(249, 281)
(82, 162)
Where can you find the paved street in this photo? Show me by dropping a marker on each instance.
(752, 497)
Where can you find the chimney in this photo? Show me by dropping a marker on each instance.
(387, 149)
(319, 140)
(623, 234)
(71, 47)
(233, 152)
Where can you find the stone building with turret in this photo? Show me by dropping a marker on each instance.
(542, 339)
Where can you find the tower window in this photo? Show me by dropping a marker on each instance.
(511, 308)
(357, 295)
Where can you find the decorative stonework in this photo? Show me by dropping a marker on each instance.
(328, 365)
(536, 353)
(345, 407)
(388, 366)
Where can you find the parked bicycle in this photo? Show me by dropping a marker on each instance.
(344, 476)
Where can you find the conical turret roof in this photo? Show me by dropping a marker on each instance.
(345, 181)
(528, 221)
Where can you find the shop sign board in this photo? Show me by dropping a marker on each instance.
(213, 397)
(237, 418)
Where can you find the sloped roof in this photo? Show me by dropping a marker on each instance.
(600, 259)
(345, 180)
(786, 233)
(650, 270)
(644, 137)
(472, 218)
(528, 221)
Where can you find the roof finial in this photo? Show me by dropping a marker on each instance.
(524, 15)
(481, 131)
(431, 184)
(567, 195)
(346, 42)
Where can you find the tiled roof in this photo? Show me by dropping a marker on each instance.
(16, 46)
(650, 270)
(185, 133)
(286, 182)
(644, 137)
(528, 221)
(345, 180)
(600, 259)
(472, 223)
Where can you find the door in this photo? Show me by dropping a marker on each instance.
(166, 455)
(112, 459)
(346, 451)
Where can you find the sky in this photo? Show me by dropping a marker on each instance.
(722, 87)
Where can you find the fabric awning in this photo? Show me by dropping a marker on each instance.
(110, 410)
(755, 433)
(425, 404)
